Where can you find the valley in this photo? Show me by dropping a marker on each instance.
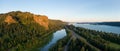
(25, 31)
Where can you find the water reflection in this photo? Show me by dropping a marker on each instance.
(56, 36)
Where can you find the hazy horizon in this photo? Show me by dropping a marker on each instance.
(67, 10)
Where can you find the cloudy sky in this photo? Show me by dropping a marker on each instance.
(67, 10)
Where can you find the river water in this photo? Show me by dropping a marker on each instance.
(62, 33)
(104, 28)
(56, 36)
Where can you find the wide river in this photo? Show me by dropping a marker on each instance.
(62, 33)
(104, 28)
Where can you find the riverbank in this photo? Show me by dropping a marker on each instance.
(85, 39)
(56, 36)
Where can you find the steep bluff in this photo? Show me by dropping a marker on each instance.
(9, 20)
(42, 20)
(26, 18)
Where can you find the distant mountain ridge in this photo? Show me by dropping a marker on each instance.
(102, 23)
(109, 23)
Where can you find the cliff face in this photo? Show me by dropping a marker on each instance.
(29, 20)
(9, 20)
(26, 18)
(42, 20)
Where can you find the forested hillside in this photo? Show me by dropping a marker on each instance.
(22, 30)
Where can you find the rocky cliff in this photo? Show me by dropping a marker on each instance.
(9, 20)
(42, 20)
(26, 18)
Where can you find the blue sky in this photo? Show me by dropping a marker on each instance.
(67, 10)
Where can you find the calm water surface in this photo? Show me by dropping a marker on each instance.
(56, 36)
(104, 28)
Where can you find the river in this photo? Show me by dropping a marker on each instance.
(62, 33)
(56, 36)
(104, 28)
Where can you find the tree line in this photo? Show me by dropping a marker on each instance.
(101, 40)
